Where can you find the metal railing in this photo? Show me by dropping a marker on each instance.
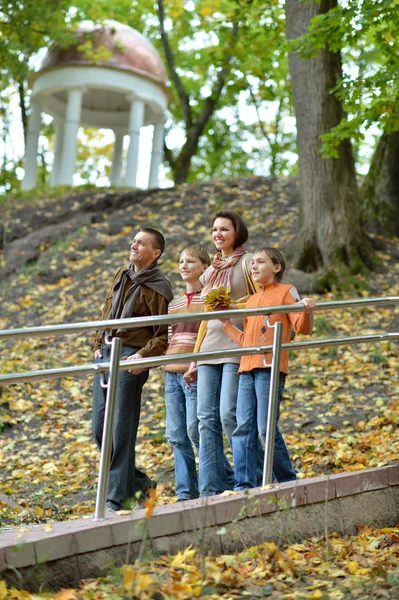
(115, 364)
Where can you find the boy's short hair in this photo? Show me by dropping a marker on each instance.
(198, 252)
(277, 258)
(158, 241)
(238, 223)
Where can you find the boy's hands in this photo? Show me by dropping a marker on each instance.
(98, 353)
(190, 376)
(308, 303)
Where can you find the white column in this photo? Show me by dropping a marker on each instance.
(136, 120)
(156, 155)
(72, 120)
(117, 159)
(59, 140)
(32, 141)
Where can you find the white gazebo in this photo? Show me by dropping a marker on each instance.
(123, 91)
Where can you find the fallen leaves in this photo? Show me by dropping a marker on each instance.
(287, 571)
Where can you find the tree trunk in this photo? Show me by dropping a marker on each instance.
(22, 104)
(331, 236)
(380, 190)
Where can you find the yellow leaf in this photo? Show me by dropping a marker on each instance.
(49, 468)
(150, 503)
(39, 511)
(67, 594)
(143, 582)
(3, 590)
(182, 557)
(229, 493)
(355, 569)
(128, 577)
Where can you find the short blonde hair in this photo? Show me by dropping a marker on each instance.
(198, 252)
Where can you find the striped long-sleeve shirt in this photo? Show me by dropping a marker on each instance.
(183, 335)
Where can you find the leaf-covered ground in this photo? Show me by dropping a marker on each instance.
(358, 567)
(341, 408)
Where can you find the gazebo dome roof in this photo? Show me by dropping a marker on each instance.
(128, 50)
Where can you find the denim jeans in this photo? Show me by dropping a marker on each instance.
(125, 480)
(217, 396)
(252, 407)
(182, 432)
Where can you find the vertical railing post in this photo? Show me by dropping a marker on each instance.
(106, 446)
(273, 405)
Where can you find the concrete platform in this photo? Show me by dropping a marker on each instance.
(57, 556)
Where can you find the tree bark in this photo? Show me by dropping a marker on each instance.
(331, 234)
(380, 190)
(22, 103)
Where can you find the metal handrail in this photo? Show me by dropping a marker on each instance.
(160, 361)
(115, 364)
(81, 327)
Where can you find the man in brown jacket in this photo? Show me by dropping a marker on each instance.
(139, 289)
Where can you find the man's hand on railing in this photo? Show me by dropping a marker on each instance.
(135, 370)
(190, 376)
(98, 353)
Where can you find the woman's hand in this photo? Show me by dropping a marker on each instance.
(190, 376)
(231, 306)
(98, 353)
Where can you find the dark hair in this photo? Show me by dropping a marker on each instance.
(276, 257)
(158, 241)
(238, 223)
(198, 252)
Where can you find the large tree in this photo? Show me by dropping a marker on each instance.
(380, 190)
(367, 33)
(331, 233)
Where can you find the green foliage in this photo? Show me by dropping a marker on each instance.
(366, 33)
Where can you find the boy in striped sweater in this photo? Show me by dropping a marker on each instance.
(180, 399)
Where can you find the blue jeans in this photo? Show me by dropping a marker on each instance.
(125, 479)
(252, 407)
(182, 432)
(217, 399)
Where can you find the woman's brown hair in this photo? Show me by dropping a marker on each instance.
(238, 223)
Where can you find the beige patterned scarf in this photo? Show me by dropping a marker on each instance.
(222, 273)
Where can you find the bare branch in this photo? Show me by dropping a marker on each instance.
(261, 124)
(184, 99)
(213, 98)
(169, 156)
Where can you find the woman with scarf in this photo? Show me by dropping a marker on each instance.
(218, 378)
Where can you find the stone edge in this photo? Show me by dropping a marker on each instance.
(20, 549)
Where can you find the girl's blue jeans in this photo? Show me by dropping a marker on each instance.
(217, 399)
(252, 409)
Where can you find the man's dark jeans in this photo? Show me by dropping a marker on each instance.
(125, 480)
